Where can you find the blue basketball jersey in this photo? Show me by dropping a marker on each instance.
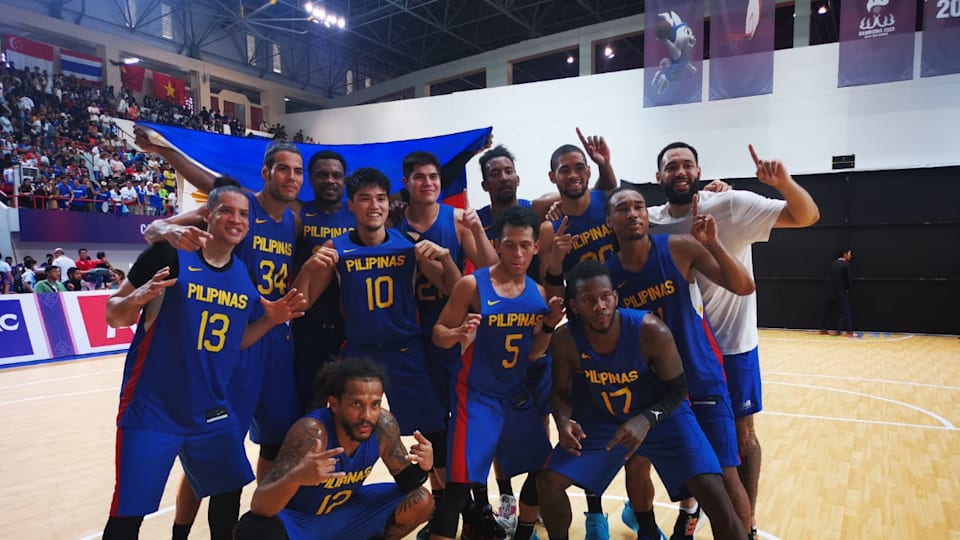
(443, 232)
(592, 237)
(496, 362)
(323, 500)
(267, 250)
(486, 218)
(661, 288)
(617, 386)
(176, 372)
(377, 290)
(317, 227)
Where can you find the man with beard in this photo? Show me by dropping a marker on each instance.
(656, 273)
(619, 392)
(743, 218)
(316, 489)
(262, 390)
(319, 334)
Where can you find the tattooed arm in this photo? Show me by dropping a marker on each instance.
(303, 460)
(392, 451)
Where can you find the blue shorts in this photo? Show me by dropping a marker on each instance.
(262, 390)
(716, 420)
(363, 515)
(485, 427)
(316, 341)
(214, 463)
(439, 362)
(539, 381)
(413, 399)
(743, 381)
(677, 448)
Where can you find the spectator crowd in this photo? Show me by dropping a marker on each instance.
(58, 273)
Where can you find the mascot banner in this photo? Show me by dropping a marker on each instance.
(941, 38)
(876, 41)
(673, 52)
(741, 48)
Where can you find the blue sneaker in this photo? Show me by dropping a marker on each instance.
(596, 526)
(629, 518)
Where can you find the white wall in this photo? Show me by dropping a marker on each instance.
(804, 122)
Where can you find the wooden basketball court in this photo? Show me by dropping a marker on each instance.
(859, 440)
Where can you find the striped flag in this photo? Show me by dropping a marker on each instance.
(81, 66)
(26, 53)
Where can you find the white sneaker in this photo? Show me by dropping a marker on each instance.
(507, 514)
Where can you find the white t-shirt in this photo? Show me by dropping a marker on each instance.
(743, 217)
(128, 194)
(64, 263)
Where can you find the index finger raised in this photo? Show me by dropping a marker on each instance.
(562, 229)
(696, 204)
(420, 437)
(753, 154)
(583, 140)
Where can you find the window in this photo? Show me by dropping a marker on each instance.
(251, 49)
(275, 59)
(166, 21)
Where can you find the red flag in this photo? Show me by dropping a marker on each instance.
(132, 77)
(167, 87)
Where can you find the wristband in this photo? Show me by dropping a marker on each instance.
(547, 329)
(654, 415)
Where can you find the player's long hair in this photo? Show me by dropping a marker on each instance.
(333, 376)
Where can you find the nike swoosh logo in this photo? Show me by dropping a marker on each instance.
(584, 356)
(349, 250)
(492, 302)
(259, 221)
(621, 284)
(192, 269)
(308, 214)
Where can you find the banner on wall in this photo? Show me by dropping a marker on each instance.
(26, 53)
(169, 88)
(92, 227)
(876, 41)
(242, 158)
(940, 50)
(673, 52)
(132, 77)
(81, 66)
(37, 327)
(741, 48)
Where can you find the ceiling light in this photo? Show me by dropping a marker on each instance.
(285, 98)
(131, 60)
(823, 9)
(319, 14)
(570, 59)
(608, 52)
(308, 6)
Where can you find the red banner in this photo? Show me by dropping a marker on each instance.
(94, 311)
(170, 88)
(132, 77)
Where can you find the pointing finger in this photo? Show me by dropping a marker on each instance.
(696, 204)
(583, 140)
(562, 229)
(420, 438)
(753, 154)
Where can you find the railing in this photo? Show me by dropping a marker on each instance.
(59, 202)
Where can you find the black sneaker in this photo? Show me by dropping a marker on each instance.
(753, 534)
(686, 525)
(424, 533)
(479, 523)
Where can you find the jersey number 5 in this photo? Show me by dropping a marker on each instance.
(511, 345)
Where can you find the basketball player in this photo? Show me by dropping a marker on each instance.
(174, 399)
(743, 218)
(319, 334)
(376, 268)
(262, 389)
(316, 490)
(656, 273)
(501, 319)
(618, 394)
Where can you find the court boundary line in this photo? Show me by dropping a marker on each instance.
(840, 339)
(946, 423)
(859, 379)
(88, 356)
(859, 421)
(64, 378)
(54, 396)
(160, 512)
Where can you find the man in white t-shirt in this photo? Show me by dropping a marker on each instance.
(743, 218)
(64, 263)
(6, 277)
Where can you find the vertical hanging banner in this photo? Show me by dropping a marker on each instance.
(940, 52)
(132, 77)
(169, 88)
(673, 52)
(741, 48)
(81, 66)
(26, 53)
(876, 41)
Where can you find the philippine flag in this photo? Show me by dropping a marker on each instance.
(81, 66)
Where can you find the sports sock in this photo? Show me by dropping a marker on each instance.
(647, 523)
(524, 531)
(181, 532)
(593, 503)
(505, 487)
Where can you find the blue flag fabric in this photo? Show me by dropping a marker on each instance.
(242, 158)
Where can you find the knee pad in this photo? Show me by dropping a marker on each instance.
(446, 517)
(222, 514)
(252, 527)
(528, 493)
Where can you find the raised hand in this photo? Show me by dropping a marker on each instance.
(427, 250)
(286, 308)
(186, 237)
(471, 220)
(562, 244)
(145, 293)
(557, 311)
(467, 329)
(142, 139)
(323, 257)
(630, 434)
(554, 213)
(421, 453)
(570, 434)
(718, 186)
(596, 147)
(319, 465)
(769, 171)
